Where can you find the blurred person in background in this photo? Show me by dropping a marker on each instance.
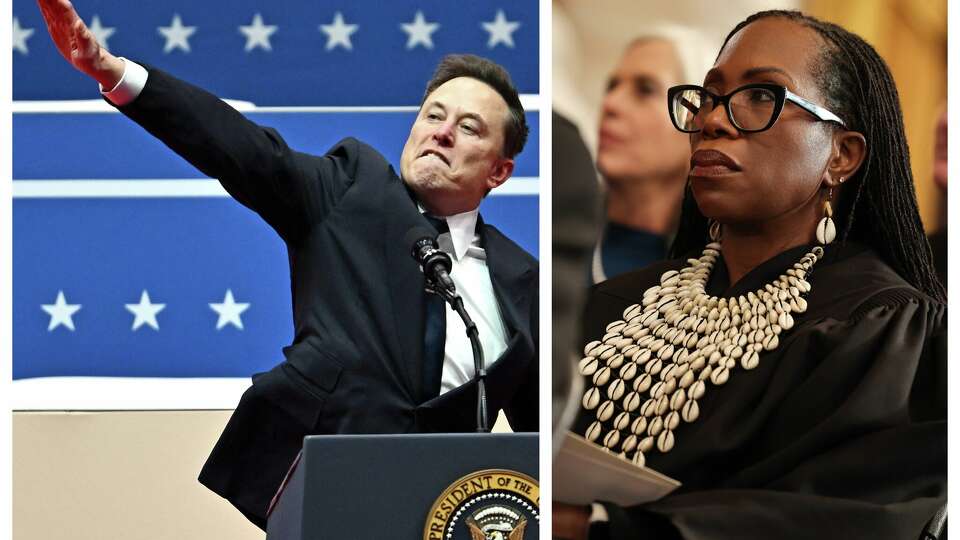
(576, 219)
(642, 158)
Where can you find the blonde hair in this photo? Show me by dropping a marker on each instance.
(694, 53)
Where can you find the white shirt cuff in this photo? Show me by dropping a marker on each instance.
(131, 84)
(598, 513)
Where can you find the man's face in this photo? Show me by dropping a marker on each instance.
(454, 153)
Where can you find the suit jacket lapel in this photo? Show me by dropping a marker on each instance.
(407, 297)
(511, 281)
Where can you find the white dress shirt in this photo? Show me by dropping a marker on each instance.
(469, 273)
(130, 85)
(472, 278)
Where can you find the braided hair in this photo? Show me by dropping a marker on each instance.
(882, 211)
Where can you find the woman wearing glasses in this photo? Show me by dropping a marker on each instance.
(789, 366)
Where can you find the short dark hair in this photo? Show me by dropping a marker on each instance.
(882, 211)
(452, 66)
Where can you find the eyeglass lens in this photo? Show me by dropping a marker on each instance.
(750, 108)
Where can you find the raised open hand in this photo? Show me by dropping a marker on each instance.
(77, 43)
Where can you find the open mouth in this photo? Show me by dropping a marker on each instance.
(437, 154)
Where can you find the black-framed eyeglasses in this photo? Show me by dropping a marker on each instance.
(750, 108)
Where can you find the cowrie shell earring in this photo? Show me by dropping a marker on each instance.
(826, 229)
(715, 232)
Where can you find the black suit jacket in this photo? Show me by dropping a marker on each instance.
(358, 296)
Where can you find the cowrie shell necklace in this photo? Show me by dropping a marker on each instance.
(651, 368)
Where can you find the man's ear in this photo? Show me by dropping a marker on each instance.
(501, 170)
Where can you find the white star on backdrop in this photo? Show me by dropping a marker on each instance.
(501, 30)
(338, 33)
(419, 32)
(20, 36)
(258, 34)
(145, 312)
(61, 312)
(229, 311)
(177, 35)
(100, 32)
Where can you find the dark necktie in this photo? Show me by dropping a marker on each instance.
(435, 332)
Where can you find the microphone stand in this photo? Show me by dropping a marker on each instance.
(454, 299)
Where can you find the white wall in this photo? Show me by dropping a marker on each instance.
(118, 475)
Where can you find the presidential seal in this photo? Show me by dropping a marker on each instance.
(493, 504)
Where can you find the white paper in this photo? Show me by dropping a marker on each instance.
(583, 473)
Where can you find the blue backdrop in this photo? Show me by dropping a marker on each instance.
(298, 68)
(74, 235)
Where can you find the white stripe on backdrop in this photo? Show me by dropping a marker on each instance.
(166, 187)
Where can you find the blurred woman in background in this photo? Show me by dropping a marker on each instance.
(642, 158)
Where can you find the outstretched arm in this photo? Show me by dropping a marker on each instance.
(288, 189)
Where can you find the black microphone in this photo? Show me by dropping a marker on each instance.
(436, 264)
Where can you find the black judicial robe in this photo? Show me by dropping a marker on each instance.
(840, 432)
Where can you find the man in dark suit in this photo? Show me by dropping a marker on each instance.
(363, 359)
